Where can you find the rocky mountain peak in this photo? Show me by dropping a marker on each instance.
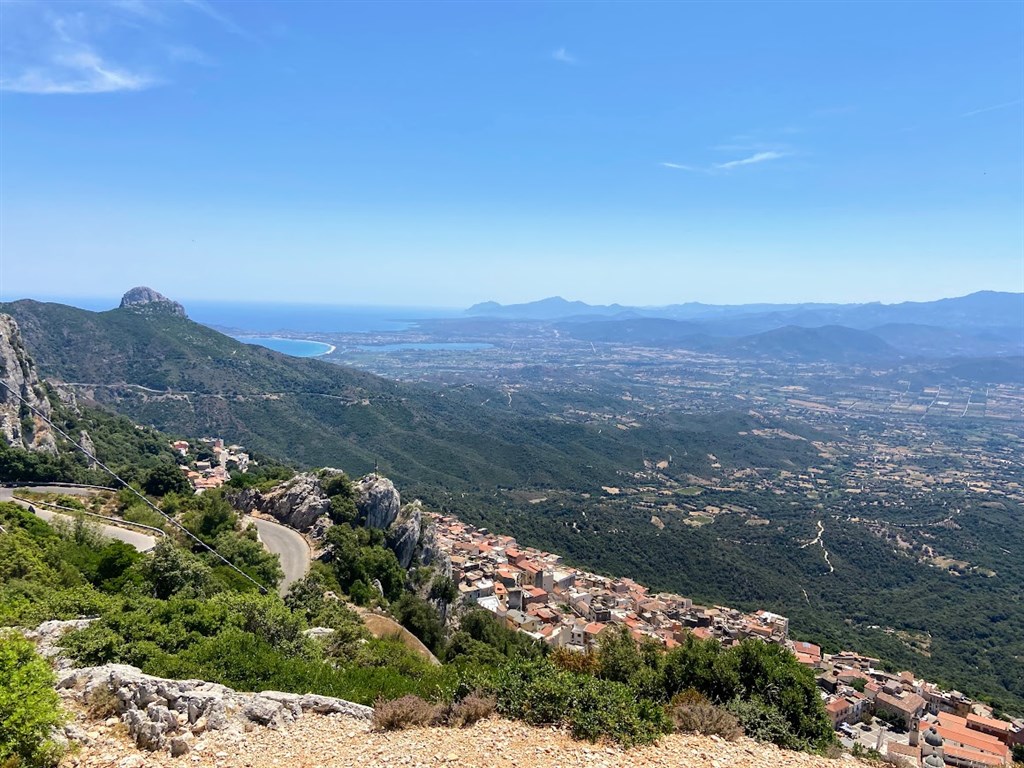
(142, 296)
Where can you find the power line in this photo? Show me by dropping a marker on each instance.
(144, 500)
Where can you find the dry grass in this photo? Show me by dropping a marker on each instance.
(101, 703)
(475, 707)
(407, 712)
(692, 713)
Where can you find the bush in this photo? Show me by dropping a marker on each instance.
(583, 663)
(765, 723)
(695, 714)
(29, 707)
(406, 712)
(473, 708)
(542, 694)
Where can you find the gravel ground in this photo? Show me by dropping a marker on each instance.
(335, 741)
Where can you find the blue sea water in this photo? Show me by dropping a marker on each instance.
(299, 318)
(293, 347)
(265, 319)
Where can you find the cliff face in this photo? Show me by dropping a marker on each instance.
(302, 504)
(299, 503)
(19, 426)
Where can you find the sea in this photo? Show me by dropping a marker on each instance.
(265, 323)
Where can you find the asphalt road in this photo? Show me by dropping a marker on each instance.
(289, 544)
(140, 541)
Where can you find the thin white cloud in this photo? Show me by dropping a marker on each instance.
(758, 157)
(141, 8)
(677, 166)
(993, 108)
(564, 56)
(225, 21)
(103, 48)
(81, 71)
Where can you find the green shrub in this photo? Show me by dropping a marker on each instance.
(542, 694)
(29, 707)
(766, 723)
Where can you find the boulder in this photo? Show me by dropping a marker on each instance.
(299, 503)
(180, 745)
(377, 502)
(326, 705)
(263, 711)
(148, 734)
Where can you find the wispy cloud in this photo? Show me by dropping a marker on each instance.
(564, 56)
(753, 159)
(80, 71)
(107, 47)
(224, 20)
(758, 157)
(993, 108)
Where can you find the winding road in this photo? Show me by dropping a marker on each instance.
(289, 545)
(278, 539)
(140, 541)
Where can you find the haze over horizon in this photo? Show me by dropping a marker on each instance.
(452, 153)
(102, 303)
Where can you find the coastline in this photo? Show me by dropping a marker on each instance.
(331, 348)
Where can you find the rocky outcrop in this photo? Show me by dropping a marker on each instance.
(377, 501)
(299, 503)
(302, 503)
(167, 714)
(87, 445)
(47, 637)
(430, 551)
(20, 426)
(403, 535)
(147, 298)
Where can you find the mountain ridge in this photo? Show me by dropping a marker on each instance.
(978, 309)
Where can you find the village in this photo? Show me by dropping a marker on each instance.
(211, 463)
(897, 715)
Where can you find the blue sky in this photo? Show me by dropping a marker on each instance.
(442, 154)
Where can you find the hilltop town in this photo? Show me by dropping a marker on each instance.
(898, 715)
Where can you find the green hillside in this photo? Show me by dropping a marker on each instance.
(164, 370)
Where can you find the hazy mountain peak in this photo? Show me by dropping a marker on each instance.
(142, 296)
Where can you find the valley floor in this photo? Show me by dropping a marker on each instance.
(335, 741)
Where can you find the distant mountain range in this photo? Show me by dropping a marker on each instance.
(981, 309)
(983, 324)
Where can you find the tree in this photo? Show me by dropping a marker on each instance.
(166, 479)
(420, 618)
(245, 551)
(170, 571)
(29, 706)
